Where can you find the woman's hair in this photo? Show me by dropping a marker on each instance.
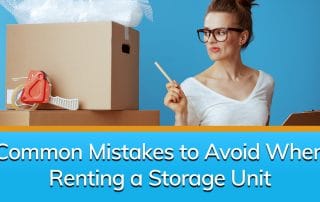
(242, 10)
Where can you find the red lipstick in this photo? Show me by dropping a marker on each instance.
(214, 49)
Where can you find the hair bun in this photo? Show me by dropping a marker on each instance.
(247, 3)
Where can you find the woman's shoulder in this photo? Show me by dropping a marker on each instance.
(267, 78)
(191, 86)
(260, 75)
(188, 83)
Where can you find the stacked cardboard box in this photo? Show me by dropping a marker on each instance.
(78, 118)
(96, 62)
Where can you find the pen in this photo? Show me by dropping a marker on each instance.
(163, 72)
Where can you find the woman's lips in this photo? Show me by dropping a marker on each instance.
(214, 49)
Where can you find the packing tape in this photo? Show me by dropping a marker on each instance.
(9, 95)
(18, 78)
(16, 102)
(126, 33)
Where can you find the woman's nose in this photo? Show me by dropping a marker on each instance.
(212, 39)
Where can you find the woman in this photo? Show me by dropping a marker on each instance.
(228, 92)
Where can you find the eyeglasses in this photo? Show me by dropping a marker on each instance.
(219, 34)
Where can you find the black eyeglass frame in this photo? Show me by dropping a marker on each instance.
(211, 32)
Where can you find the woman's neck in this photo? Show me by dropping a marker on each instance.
(228, 69)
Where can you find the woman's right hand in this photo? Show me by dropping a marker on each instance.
(175, 98)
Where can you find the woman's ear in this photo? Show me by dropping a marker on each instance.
(244, 36)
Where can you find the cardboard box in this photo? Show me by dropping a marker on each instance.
(97, 62)
(79, 118)
(311, 118)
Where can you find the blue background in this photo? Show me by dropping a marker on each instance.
(291, 180)
(285, 46)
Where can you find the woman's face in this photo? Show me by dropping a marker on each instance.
(229, 48)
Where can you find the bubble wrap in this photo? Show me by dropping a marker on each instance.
(126, 12)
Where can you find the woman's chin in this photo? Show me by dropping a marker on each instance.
(215, 57)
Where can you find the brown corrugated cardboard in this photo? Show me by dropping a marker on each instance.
(96, 62)
(303, 119)
(78, 118)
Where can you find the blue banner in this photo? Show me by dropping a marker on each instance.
(159, 166)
